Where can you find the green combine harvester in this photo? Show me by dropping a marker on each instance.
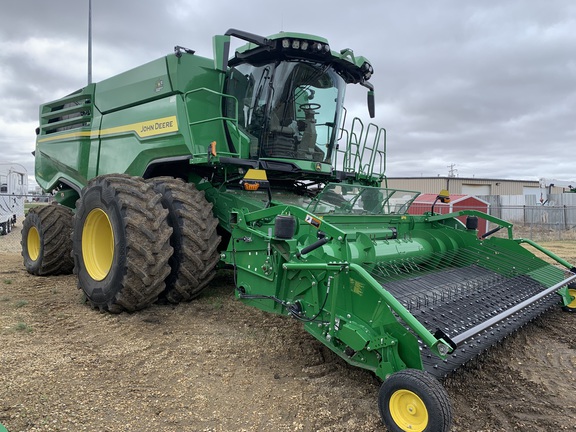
(185, 164)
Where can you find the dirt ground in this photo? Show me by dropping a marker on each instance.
(217, 365)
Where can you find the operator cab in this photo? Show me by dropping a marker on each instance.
(289, 109)
(288, 94)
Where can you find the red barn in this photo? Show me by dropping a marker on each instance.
(457, 202)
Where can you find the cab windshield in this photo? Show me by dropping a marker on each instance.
(289, 110)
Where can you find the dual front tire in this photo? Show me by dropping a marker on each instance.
(194, 238)
(130, 242)
(121, 243)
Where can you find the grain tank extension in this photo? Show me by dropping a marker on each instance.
(167, 171)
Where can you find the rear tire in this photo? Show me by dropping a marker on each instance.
(413, 400)
(121, 243)
(194, 238)
(46, 240)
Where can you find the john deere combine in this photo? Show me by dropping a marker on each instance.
(171, 168)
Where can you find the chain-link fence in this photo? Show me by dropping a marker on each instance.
(539, 223)
(550, 218)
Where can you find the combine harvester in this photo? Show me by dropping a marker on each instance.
(186, 163)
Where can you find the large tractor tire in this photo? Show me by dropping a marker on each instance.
(194, 238)
(121, 243)
(46, 240)
(413, 400)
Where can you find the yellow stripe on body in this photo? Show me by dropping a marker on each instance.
(142, 129)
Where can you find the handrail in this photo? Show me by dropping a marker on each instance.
(234, 120)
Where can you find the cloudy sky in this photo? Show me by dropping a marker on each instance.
(487, 86)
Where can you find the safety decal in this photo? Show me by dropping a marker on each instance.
(313, 221)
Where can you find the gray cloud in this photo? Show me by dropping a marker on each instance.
(489, 86)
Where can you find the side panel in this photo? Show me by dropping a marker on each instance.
(144, 83)
(202, 89)
(131, 138)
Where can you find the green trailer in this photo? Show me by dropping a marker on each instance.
(184, 165)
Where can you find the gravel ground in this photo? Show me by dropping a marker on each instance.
(217, 365)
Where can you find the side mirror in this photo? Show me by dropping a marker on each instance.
(371, 103)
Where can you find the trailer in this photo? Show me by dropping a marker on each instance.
(13, 190)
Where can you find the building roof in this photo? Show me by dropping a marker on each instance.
(462, 178)
(428, 198)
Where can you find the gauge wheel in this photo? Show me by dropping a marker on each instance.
(46, 240)
(194, 238)
(121, 243)
(571, 307)
(413, 400)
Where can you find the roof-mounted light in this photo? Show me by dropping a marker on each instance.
(305, 45)
(367, 70)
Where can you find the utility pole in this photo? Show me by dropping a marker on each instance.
(89, 42)
(452, 171)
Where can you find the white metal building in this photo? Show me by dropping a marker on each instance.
(468, 186)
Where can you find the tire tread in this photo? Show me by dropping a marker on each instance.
(194, 239)
(54, 225)
(147, 245)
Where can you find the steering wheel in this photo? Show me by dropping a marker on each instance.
(310, 106)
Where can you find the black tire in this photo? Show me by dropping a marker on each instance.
(121, 243)
(194, 238)
(413, 400)
(46, 240)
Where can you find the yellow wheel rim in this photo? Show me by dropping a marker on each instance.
(408, 411)
(572, 304)
(33, 243)
(97, 244)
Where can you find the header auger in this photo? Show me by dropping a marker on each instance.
(168, 170)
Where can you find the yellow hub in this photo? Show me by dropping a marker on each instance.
(408, 411)
(97, 244)
(572, 304)
(33, 243)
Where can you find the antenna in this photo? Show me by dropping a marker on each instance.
(89, 42)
